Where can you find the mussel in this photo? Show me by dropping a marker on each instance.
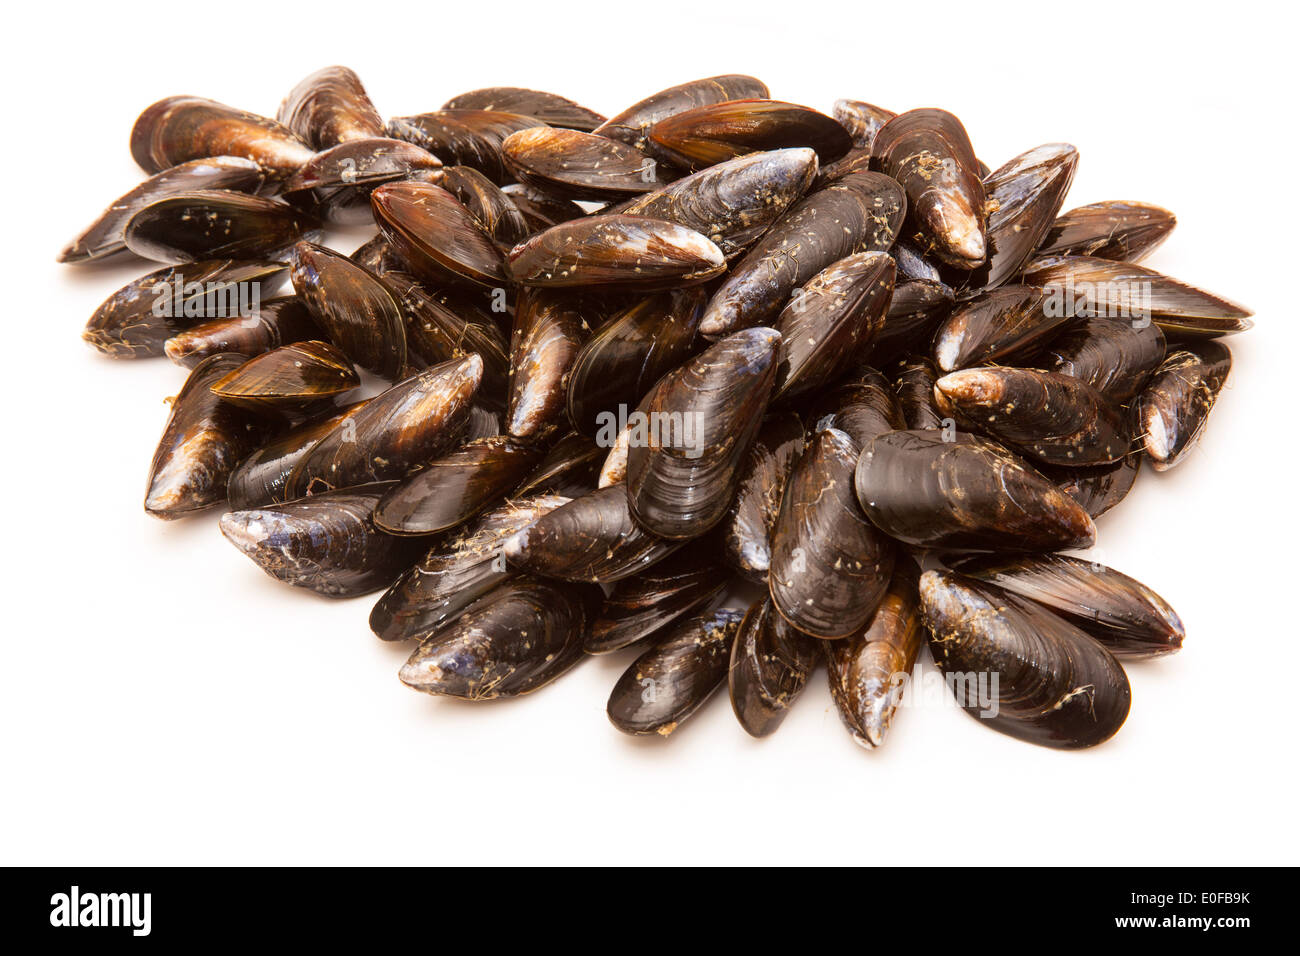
(639, 606)
(861, 120)
(549, 108)
(548, 335)
(326, 543)
(501, 220)
(464, 137)
(1048, 416)
(630, 126)
(1123, 614)
(692, 431)
(205, 438)
(868, 671)
(830, 565)
(330, 107)
(107, 234)
(673, 679)
(436, 236)
(278, 322)
(1127, 231)
(1002, 325)
(574, 165)
(1099, 488)
(1019, 668)
(769, 668)
(933, 490)
(290, 379)
(336, 184)
(1174, 407)
(862, 406)
(1112, 356)
(260, 478)
(712, 134)
(216, 224)
(518, 637)
(746, 530)
(570, 468)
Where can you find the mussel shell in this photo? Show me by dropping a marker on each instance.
(1172, 410)
(1024, 196)
(830, 566)
(337, 183)
(1127, 231)
(377, 255)
(692, 431)
(1002, 325)
(830, 324)
(539, 210)
(931, 490)
(1056, 686)
(868, 672)
(570, 468)
(712, 134)
(547, 108)
(914, 386)
(627, 355)
(733, 203)
(673, 679)
(624, 251)
(1112, 356)
(861, 120)
(107, 234)
(260, 478)
(1099, 488)
(354, 307)
(397, 432)
(278, 322)
(484, 653)
(181, 128)
(613, 470)
(576, 165)
(1130, 619)
(856, 160)
(746, 531)
(437, 236)
(459, 569)
(205, 438)
(631, 125)
(330, 107)
(326, 543)
(592, 538)
(216, 224)
(639, 606)
(452, 489)
(929, 153)
(503, 223)
(549, 331)
(464, 137)
(769, 668)
(862, 407)
(1046, 416)
(137, 320)
(916, 309)
(441, 326)
(860, 213)
(290, 377)
(1125, 290)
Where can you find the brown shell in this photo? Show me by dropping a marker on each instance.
(437, 236)
(106, 235)
(861, 120)
(205, 438)
(278, 322)
(464, 137)
(548, 108)
(330, 107)
(1127, 231)
(1172, 410)
(216, 224)
(1003, 325)
(181, 128)
(336, 184)
(260, 479)
(576, 165)
(624, 251)
(501, 220)
(859, 213)
(712, 134)
(747, 528)
(289, 376)
(549, 331)
(830, 566)
(639, 606)
(769, 668)
(630, 126)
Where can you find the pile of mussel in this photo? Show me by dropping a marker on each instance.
(595, 380)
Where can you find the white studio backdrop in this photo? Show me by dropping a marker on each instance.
(166, 702)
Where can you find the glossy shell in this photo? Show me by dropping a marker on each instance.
(830, 565)
(1100, 488)
(673, 679)
(336, 184)
(592, 538)
(1112, 356)
(204, 439)
(463, 137)
(859, 213)
(1056, 686)
(326, 543)
(747, 528)
(260, 478)
(436, 235)
(289, 377)
(966, 493)
(692, 432)
(279, 322)
(639, 606)
(712, 134)
(330, 107)
(1126, 231)
(459, 568)
(628, 251)
(769, 668)
(549, 108)
(576, 165)
(630, 126)
(216, 224)
(516, 638)
(1003, 325)
(1123, 614)
(1172, 410)
(868, 672)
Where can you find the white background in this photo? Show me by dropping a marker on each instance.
(166, 702)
